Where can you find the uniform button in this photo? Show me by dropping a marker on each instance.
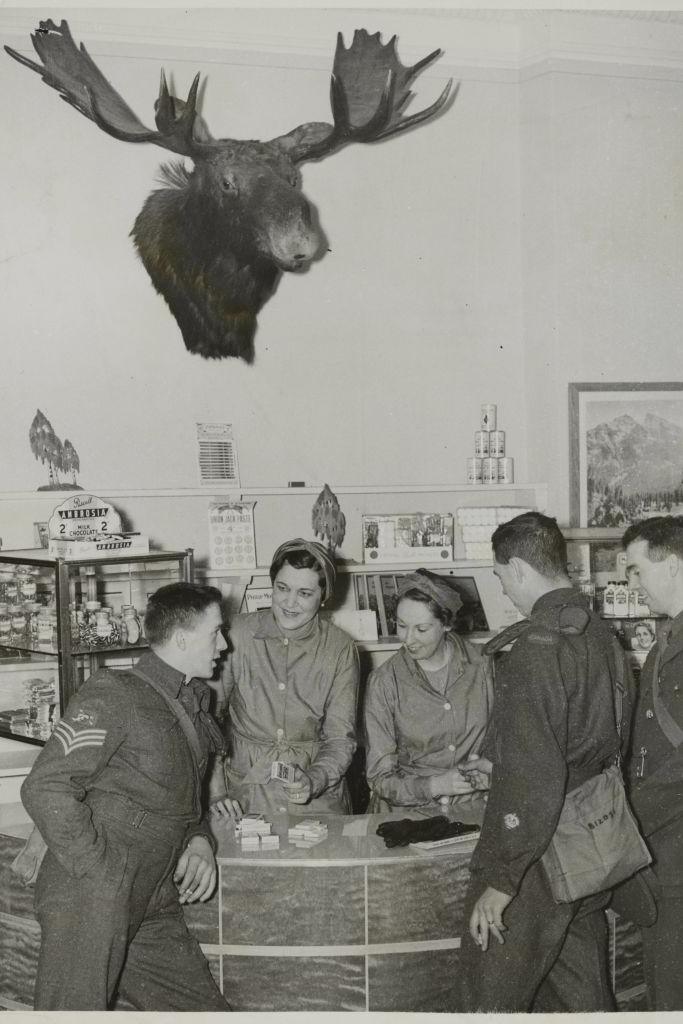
(280, 732)
(447, 706)
(649, 713)
(281, 686)
(282, 810)
(451, 746)
(286, 642)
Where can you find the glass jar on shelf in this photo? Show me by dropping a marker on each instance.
(28, 587)
(46, 627)
(131, 622)
(105, 628)
(91, 610)
(33, 609)
(5, 623)
(18, 622)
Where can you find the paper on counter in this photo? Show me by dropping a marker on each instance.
(357, 827)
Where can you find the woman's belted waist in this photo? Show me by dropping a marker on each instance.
(277, 749)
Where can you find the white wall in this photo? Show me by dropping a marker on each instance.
(602, 223)
(527, 238)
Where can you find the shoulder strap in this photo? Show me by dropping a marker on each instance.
(180, 713)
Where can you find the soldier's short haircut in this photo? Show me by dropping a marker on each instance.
(663, 535)
(535, 538)
(177, 606)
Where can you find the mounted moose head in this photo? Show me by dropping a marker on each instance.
(215, 239)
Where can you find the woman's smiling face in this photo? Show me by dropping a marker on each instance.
(418, 629)
(296, 596)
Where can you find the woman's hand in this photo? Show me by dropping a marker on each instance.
(299, 791)
(478, 770)
(226, 810)
(449, 783)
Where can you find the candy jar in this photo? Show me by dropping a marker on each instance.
(131, 621)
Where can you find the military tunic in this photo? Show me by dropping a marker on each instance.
(116, 795)
(288, 696)
(553, 728)
(656, 775)
(414, 731)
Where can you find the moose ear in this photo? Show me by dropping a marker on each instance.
(297, 142)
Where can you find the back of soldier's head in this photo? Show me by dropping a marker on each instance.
(536, 539)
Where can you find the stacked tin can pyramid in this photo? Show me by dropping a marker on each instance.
(490, 464)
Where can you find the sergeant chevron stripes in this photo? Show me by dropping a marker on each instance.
(72, 740)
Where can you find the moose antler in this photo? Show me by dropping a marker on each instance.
(368, 92)
(71, 71)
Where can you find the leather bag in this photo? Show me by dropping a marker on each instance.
(596, 844)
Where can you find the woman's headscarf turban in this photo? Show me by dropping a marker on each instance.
(433, 586)
(318, 551)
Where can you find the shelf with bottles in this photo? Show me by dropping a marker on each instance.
(61, 619)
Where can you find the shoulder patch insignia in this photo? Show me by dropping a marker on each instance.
(511, 821)
(74, 740)
(82, 716)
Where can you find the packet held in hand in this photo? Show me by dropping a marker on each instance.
(282, 772)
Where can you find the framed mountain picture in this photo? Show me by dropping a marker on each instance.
(625, 452)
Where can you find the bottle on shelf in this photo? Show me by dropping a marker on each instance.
(608, 598)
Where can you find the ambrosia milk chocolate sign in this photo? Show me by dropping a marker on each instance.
(83, 517)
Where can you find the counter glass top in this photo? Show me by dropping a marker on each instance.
(351, 839)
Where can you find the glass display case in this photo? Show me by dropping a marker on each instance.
(61, 619)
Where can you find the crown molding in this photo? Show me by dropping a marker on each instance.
(507, 45)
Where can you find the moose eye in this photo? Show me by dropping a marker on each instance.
(228, 185)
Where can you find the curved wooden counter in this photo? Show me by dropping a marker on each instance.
(345, 925)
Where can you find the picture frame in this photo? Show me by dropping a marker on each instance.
(41, 536)
(378, 593)
(624, 452)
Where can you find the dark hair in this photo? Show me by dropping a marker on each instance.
(536, 539)
(444, 615)
(645, 625)
(300, 560)
(177, 606)
(662, 534)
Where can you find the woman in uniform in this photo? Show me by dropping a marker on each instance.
(428, 706)
(290, 690)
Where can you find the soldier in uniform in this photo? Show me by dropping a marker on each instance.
(654, 551)
(115, 793)
(553, 728)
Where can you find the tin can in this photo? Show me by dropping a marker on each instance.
(497, 444)
(474, 471)
(481, 444)
(506, 471)
(488, 417)
(489, 471)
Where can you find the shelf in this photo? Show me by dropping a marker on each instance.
(360, 567)
(395, 489)
(33, 740)
(232, 491)
(40, 557)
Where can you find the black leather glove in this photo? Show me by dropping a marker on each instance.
(407, 830)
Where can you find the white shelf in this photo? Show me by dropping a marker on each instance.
(207, 492)
(397, 489)
(355, 567)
